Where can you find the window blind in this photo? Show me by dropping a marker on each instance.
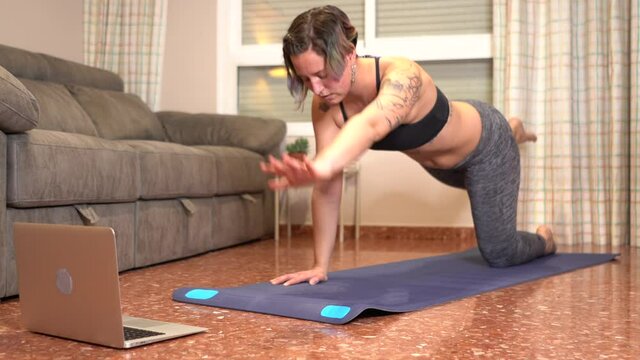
(432, 17)
(262, 94)
(267, 21)
(468, 79)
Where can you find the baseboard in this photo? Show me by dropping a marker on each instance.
(392, 232)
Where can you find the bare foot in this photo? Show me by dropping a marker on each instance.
(519, 133)
(550, 245)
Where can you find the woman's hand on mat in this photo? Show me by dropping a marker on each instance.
(312, 276)
(291, 172)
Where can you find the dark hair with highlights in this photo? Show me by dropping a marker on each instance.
(327, 31)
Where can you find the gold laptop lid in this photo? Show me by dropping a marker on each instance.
(68, 281)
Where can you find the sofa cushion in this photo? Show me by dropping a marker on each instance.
(19, 109)
(31, 65)
(256, 134)
(48, 168)
(69, 72)
(169, 170)
(238, 170)
(59, 110)
(23, 63)
(119, 115)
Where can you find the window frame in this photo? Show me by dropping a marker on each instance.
(231, 54)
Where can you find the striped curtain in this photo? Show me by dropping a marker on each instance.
(127, 37)
(569, 69)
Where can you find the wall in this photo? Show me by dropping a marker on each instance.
(394, 191)
(50, 27)
(56, 28)
(188, 76)
(398, 191)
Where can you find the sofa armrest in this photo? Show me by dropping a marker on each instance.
(19, 109)
(253, 133)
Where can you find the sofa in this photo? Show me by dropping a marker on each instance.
(76, 149)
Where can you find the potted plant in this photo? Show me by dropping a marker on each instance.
(298, 149)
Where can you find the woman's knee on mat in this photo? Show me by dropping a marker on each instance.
(503, 254)
(498, 261)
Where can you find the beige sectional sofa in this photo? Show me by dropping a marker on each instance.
(76, 149)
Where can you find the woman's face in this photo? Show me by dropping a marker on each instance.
(311, 68)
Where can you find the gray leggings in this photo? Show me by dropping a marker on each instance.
(491, 176)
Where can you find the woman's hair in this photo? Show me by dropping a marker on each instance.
(327, 31)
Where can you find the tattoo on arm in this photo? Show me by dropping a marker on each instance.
(324, 107)
(401, 92)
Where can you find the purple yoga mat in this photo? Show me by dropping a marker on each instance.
(394, 287)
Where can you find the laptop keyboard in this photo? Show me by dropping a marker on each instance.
(133, 333)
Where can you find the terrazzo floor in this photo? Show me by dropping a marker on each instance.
(592, 313)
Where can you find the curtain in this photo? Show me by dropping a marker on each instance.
(127, 37)
(569, 69)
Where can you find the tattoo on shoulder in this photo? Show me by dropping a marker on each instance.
(402, 90)
(324, 107)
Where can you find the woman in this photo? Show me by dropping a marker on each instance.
(393, 104)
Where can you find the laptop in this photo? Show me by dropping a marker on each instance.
(69, 287)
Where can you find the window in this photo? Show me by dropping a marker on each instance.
(266, 21)
(432, 17)
(462, 79)
(262, 91)
(451, 39)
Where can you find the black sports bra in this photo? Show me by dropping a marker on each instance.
(411, 136)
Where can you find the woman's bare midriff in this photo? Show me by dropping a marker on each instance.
(457, 140)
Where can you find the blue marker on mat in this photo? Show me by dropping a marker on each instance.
(335, 311)
(201, 294)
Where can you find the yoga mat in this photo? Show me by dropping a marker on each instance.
(393, 287)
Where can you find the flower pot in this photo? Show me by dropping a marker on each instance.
(297, 155)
